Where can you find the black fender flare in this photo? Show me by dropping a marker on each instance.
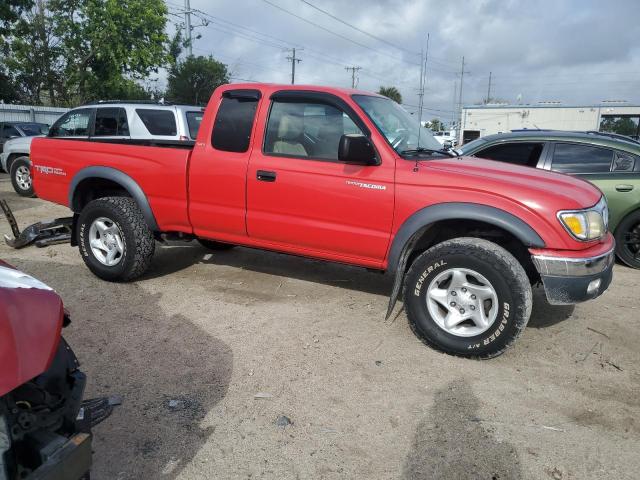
(122, 179)
(413, 228)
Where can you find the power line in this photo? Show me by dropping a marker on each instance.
(379, 52)
(358, 29)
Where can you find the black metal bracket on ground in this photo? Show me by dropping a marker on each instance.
(42, 234)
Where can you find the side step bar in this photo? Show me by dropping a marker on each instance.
(42, 234)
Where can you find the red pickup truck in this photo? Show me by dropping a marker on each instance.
(346, 176)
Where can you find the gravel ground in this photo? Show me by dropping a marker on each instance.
(212, 350)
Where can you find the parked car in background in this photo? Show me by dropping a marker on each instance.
(109, 121)
(446, 138)
(45, 426)
(610, 161)
(9, 130)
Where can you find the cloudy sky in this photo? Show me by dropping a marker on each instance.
(573, 51)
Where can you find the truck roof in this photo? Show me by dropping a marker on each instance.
(286, 86)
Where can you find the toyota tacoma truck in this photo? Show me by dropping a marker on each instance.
(344, 176)
(45, 426)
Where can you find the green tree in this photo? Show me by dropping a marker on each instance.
(436, 125)
(66, 52)
(391, 92)
(193, 80)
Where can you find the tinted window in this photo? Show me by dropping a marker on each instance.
(72, 124)
(31, 129)
(111, 122)
(520, 153)
(158, 122)
(8, 131)
(193, 122)
(306, 129)
(624, 162)
(572, 158)
(232, 128)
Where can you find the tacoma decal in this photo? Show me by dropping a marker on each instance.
(372, 186)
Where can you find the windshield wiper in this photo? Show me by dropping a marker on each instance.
(419, 150)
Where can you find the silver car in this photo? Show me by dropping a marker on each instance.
(112, 121)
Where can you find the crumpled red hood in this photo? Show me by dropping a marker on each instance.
(31, 316)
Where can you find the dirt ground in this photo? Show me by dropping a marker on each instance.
(210, 350)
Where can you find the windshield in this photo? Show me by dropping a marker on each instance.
(401, 129)
(32, 129)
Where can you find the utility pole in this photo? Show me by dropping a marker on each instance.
(460, 103)
(293, 61)
(353, 69)
(187, 26)
(453, 104)
(489, 89)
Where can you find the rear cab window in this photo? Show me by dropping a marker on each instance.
(234, 120)
(158, 122)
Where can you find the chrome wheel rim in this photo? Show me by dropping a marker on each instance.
(105, 240)
(462, 302)
(23, 177)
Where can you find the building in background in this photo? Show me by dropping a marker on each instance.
(615, 117)
(30, 113)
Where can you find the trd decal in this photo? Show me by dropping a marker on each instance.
(50, 170)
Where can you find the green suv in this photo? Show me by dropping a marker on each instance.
(610, 161)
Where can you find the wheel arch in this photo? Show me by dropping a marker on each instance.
(417, 227)
(96, 182)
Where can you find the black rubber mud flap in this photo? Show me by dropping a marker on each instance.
(401, 269)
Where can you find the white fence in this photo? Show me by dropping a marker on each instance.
(30, 113)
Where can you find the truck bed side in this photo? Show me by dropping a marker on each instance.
(160, 171)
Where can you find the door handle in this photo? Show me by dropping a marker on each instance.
(624, 188)
(266, 176)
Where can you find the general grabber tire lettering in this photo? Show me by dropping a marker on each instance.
(467, 297)
(114, 240)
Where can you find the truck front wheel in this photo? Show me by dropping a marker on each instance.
(467, 297)
(115, 241)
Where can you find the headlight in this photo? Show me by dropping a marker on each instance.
(588, 224)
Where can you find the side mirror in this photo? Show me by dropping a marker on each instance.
(356, 148)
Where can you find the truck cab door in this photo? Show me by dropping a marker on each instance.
(218, 166)
(302, 199)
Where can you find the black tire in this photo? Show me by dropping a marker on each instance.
(213, 245)
(137, 238)
(628, 240)
(20, 167)
(500, 269)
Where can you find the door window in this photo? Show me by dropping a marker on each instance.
(520, 153)
(111, 122)
(574, 158)
(72, 124)
(306, 129)
(233, 124)
(158, 122)
(194, 119)
(9, 131)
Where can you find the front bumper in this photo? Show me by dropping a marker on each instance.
(569, 280)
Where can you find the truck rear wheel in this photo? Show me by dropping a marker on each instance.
(114, 240)
(21, 179)
(467, 297)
